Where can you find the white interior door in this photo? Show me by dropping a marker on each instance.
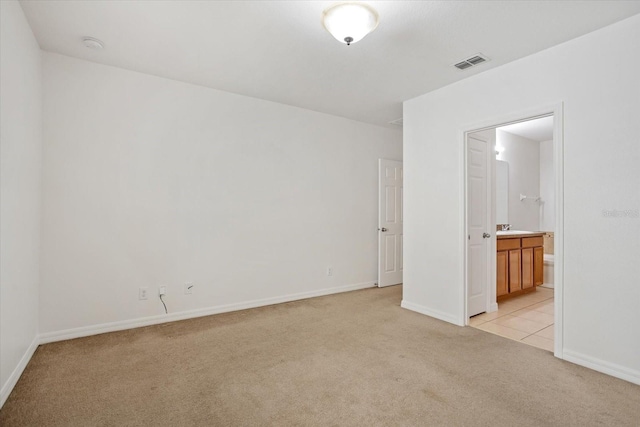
(390, 223)
(478, 228)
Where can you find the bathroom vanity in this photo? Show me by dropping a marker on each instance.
(520, 262)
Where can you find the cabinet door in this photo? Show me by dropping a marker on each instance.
(538, 266)
(515, 273)
(502, 276)
(527, 268)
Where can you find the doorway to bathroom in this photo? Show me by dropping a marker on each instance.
(513, 216)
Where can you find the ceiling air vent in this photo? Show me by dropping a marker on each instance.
(397, 122)
(471, 61)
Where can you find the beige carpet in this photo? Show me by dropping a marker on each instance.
(348, 359)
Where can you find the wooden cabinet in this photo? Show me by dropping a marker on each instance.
(538, 266)
(520, 263)
(502, 278)
(515, 270)
(527, 268)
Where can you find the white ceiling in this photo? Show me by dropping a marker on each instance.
(537, 129)
(279, 51)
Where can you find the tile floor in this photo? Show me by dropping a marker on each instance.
(527, 318)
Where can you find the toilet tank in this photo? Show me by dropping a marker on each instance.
(548, 242)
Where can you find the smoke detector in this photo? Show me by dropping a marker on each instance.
(471, 61)
(93, 43)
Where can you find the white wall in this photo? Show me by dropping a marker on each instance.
(601, 102)
(547, 187)
(522, 154)
(20, 192)
(502, 192)
(150, 182)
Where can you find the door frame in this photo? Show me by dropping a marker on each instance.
(555, 110)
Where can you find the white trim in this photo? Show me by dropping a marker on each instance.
(463, 226)
(163, 318)
(7, 387)
(599, 365)
(556, 110)
(492, 297)
(431, 313)
(558, 241)
(511, 118)
(462, 318)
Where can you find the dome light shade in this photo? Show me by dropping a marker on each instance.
(350, 22)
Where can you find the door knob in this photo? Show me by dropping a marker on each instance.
(382, 229)
(486, 235)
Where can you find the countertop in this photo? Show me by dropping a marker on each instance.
(513, 234)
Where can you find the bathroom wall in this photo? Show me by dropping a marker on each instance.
(522, 155)
(502, 192)
(547, 187)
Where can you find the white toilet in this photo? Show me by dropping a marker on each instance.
(548, 271)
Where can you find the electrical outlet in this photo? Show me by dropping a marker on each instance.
(329, 271)
(188, 288)
(142, 293)
(162, 290)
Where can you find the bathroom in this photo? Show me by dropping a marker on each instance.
(525, 213)
(525, 185)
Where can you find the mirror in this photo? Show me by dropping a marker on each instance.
(502, 192)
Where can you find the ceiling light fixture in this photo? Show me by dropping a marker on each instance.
(349, 22)
(92, 43)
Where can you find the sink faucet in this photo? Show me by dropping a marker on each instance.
(506, 227)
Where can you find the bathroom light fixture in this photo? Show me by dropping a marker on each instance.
(93, 43)
(349, 22)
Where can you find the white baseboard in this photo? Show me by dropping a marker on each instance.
(85, 331)
(608, 368)
(430, 312)
(17, 372)
(493, 307)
